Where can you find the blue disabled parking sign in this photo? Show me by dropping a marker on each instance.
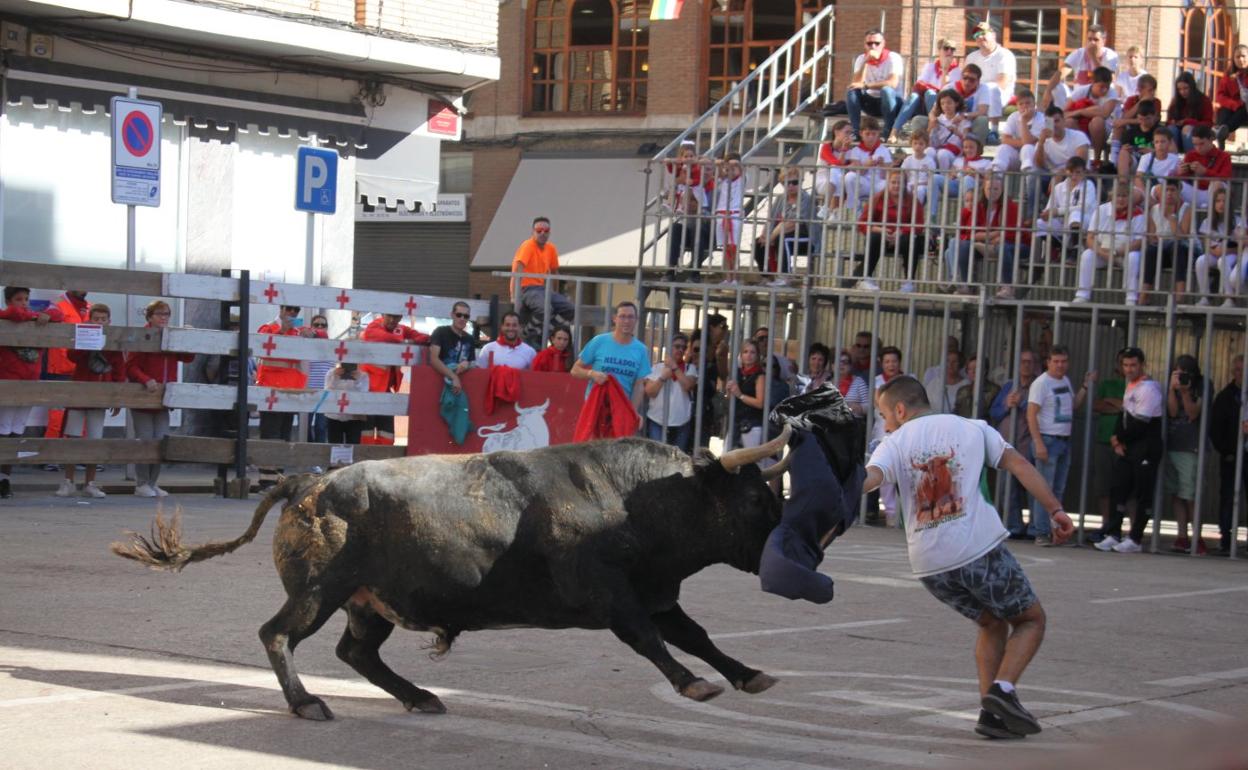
(316, 180)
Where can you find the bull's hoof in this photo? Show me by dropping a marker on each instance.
(430, 704)
(758, 683)
(314, 709)
(701, 690)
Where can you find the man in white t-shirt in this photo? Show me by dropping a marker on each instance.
(1055, 145)
(1021, 129)
(876, 87)
(1051, 407)
(996, 62)
(1137, 443)
(1115, 237)
(1083, 61)
(508, 349)
(668, 387)
(955, 538)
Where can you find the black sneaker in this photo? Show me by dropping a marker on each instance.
(1006, 706)
(992, 726)
(6, 491)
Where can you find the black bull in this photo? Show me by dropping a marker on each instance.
(596, 535)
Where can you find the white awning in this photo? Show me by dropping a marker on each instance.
(404, 174)
(594, 205)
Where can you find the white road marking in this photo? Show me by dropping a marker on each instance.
(804, 629)
(1207, 592)
(876, 580)
(1196, 711)
(77, 695)
(1199, 679)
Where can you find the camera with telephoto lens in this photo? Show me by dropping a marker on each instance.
(1185, 379)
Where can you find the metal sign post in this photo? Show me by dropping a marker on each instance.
(316, 192)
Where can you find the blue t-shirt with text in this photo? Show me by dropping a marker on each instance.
(625, 362)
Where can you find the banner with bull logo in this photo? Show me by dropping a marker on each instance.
(544, 414)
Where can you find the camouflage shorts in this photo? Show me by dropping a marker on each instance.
(992, 583)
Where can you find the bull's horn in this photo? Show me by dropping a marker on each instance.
(737, 458)
(778, 469)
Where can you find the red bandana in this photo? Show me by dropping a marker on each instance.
(844, 384)
(513, 345)
(750, 371)
(881, 55)
(863, 146)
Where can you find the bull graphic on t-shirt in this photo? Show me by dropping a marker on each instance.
(936, 496)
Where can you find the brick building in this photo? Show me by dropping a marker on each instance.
(589, 89)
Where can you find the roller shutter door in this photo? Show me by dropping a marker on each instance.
(418, 258)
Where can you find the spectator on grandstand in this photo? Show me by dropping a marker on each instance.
(1051, 408)
(1219, 233)
(965, 404)
(387, 379)
(538, 256)
(729, 209)
(669, 387)
(1072, 204)
(791, 229)
(782, 366)
(1091, 109)
(989, 228)
(1169, 241)
(876, 84)
(893, 223)
(74, 308)
(861, 351)
(1232, 113)
(452, 350)
(997, 64)
(889, 369)
(1131, 112)
(748, 388)
(828, 174)
(964, 173)
(919, 166)
(708, 389)
(1137, 142)
(283, 372)
(345, 427)
(558, 355)
(1107, 406)
(690, 230)
(940, 74)
(1189, 109)
(1056, 145)
(318, 432)
(942, 391)
(1114, 237)
(1008, 413)
(1137, 442)
(1129, 74)
(1022, 129)
(19, 363)
(1082, 62)
(1227, 435)
(946, 132)
(1183, 405)
(818, 370)
(867, 158)
(152, 371)
(1205, 164)
(91, 366)
(974, 111)
(852, 387)
(507, 349)
(952, 345)
(616, 354)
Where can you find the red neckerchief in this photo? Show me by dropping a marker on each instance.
(844, 383)
(513, 345)
(868, 150)
(750, 371)
(968, 160)
(882, 56)
(1131, 214)
(680, 364)
(960, 87)
(940, 72)
(887, 378)
(1084, 75)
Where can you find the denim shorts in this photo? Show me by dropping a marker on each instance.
(992, 583)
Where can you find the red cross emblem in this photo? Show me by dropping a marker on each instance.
(271, 400)
(407, 356)
(410, 305)
(343, 299)
(271, 293)
(341, 351)
(343, 403)
(269, 345)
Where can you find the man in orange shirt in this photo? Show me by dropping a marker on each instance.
(282, 372)
(386, 379)
(538, 256)
(73, 306)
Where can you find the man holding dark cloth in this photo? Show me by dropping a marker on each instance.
(1137, 441)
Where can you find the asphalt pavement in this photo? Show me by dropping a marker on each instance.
(104, 664)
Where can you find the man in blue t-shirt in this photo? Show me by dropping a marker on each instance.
(617, 353)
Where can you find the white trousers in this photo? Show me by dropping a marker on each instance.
(1089, 262)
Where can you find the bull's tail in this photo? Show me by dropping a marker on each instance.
(164, 550)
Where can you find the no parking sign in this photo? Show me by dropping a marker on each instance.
(136, 151)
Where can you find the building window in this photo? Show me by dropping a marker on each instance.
(588, 56)
(1042, 35)
(745, 32)
(1207, 42)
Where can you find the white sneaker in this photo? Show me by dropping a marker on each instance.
(1106, 544)
(1228, 302)
(1202, 302)
(907, 287)
(1127, 546)
(317, 469)
(66, 489)
(778, 283)
(1005, 292)
(91, 490)
(1133, 300)
(158, 492)
(1080, 299)
(867, 284)
(144, 490)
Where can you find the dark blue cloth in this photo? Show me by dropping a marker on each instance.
(818, 503)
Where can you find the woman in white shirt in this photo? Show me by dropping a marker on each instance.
(940, 73)
(1220, 233)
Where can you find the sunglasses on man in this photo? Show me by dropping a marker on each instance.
(464, 316)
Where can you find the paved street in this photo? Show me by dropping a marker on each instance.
(104, 664)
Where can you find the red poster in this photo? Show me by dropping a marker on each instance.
(443, 119)
(545, 413)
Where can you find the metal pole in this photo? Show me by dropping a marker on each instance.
(1201, 451)
(1239, 458)
(700, 397)
(734, 351)
(1165, 424)
(769, 369)
(240, 402)
(1089, 424)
